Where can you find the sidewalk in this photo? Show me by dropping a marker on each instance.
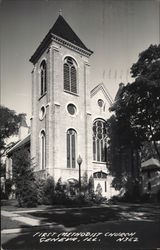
(32, 224)
(48, 217)
(28, 224)
(144, 221)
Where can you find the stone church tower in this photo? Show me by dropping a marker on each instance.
(68, 119)
(61, 115)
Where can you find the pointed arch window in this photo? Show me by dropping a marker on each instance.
(43, 73)
(99, 141)
(71, 148)
(70, 75)
(43, 149)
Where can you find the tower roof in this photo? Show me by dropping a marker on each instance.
(62, 30)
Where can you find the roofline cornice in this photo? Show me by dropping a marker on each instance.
(41, 48)
(52, 37)
(71, 45)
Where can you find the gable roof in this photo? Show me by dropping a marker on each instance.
(19, 144)
(62, 30)
(152, 163)
(106, 93)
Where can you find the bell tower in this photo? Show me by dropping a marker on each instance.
(61, 114)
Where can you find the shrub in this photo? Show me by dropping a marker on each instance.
(91, 185)
(61, 196)
(40, 183)
(84, 183)
(62, 193)
(8, 188)
(48, 191)
(158, 196)
(97, 198)
(24, 180)
(145, 197)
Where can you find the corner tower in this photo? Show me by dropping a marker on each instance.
(61, 119)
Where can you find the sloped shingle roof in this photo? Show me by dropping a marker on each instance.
(19, 144)
(61, 29)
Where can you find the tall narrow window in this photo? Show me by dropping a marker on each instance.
(43, 73)
(43, 150)
(99, 141)
(70, 75)
(71, 148)
(149, 186)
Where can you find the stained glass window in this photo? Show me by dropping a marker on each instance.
(99, 141)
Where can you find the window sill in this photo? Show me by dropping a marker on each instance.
(42, 96)
(68, 92)
(99, 162)
(71, 168)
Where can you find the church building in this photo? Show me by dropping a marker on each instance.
(68, 118)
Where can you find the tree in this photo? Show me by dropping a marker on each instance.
(24, 179)
(148, 65)
(123, 157)
(147, 72)
(139, 102)
(136, 121)
(9, 124)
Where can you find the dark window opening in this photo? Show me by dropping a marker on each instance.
(43, 73)
(149, 186)
(71, 109)
(43, 150)
(71, 148)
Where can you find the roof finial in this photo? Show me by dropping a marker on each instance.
(60, 12)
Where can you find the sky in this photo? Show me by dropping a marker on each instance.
(116, 30)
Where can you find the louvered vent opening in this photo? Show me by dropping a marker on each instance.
(66, 77)
(73, 80)
(70, 75)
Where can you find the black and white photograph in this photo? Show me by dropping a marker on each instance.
(80, 124)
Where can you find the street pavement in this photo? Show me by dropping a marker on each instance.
(134, 230)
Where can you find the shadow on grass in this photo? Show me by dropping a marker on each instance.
(74, 217)
(140, 212)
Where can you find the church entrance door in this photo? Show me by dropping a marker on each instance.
(100, 183)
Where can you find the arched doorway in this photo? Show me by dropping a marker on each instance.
(100, 182)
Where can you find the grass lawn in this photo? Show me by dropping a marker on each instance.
(74, 217)
(12, 205)
(7, 223)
